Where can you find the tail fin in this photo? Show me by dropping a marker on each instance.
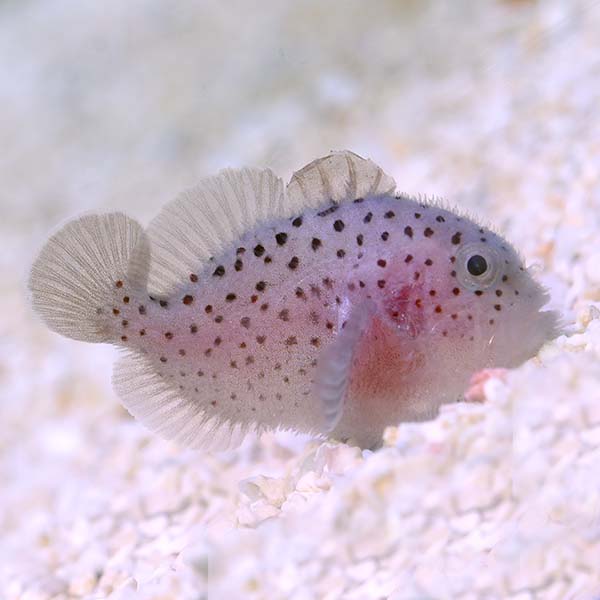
(74, 278)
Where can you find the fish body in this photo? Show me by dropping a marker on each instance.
(333, 306)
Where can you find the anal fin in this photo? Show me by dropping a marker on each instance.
(335, 364)
(170, 412)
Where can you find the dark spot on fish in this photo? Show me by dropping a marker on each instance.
(259, 250)
(408, 231)
(328, 211)
(315, 244)
(187, 299)
(293, 264)
(193, 278)
(428, 232)
(297, 222)
(455, 239)
(368, 217)
(219, 271)
(281, 238)
(230, 297)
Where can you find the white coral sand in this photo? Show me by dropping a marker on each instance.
(494, 105)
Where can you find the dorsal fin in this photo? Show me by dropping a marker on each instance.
(201, 222)
(337, 177)
(205, 220)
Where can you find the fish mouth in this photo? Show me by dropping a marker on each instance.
(544, 324)
(551, 320)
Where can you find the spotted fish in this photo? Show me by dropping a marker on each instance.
(331, 306)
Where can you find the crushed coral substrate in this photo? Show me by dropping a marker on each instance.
(493, 105)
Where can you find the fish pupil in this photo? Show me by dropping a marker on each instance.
(477, 265)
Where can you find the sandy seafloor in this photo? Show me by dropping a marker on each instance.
(492, 105)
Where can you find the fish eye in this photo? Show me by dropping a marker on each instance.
(477, 265)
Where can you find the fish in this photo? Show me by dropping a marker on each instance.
(332, 306)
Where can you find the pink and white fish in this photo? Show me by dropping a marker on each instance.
(330, 306)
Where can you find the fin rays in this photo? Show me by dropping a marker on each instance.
(202, 222)
(169, 412)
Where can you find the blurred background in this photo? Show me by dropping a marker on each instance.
(492, 105)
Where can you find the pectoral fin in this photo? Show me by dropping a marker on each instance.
(335, 364)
